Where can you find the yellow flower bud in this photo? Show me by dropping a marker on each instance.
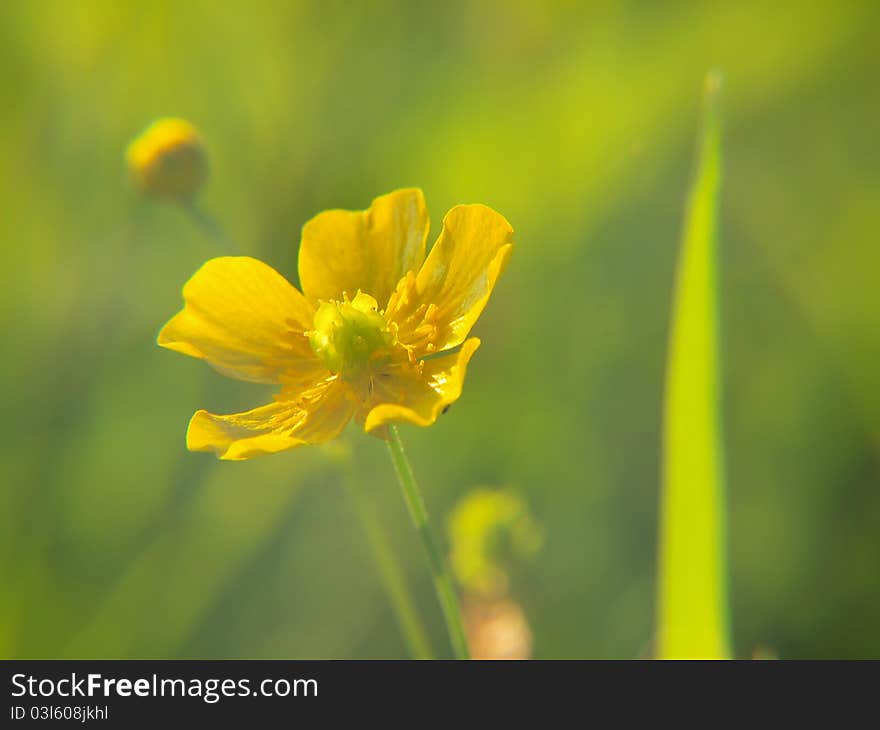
(169, 160)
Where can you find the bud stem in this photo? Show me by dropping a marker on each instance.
(210, 226)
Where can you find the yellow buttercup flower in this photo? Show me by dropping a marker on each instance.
(379, 332)
(169, 159)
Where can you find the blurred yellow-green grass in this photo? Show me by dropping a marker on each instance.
(692, 602)
(576, 121)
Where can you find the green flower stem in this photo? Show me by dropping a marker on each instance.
(442, 581)
(408, 620)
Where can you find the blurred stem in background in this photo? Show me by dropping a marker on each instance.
(70, 398)
(442, 581)
(692, 592)
(401, 600)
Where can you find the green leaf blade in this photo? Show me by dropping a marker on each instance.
(692, 589)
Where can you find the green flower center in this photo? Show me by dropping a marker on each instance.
(351, 337)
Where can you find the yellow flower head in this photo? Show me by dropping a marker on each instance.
(169, 160)
(378, 334)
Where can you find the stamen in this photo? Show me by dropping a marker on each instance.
(351, 336)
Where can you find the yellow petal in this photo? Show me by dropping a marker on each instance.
(418, 398)
(316, 416)
(343, 250)
(436, 310)
(246, 320)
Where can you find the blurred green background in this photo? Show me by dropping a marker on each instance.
(577, 122)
